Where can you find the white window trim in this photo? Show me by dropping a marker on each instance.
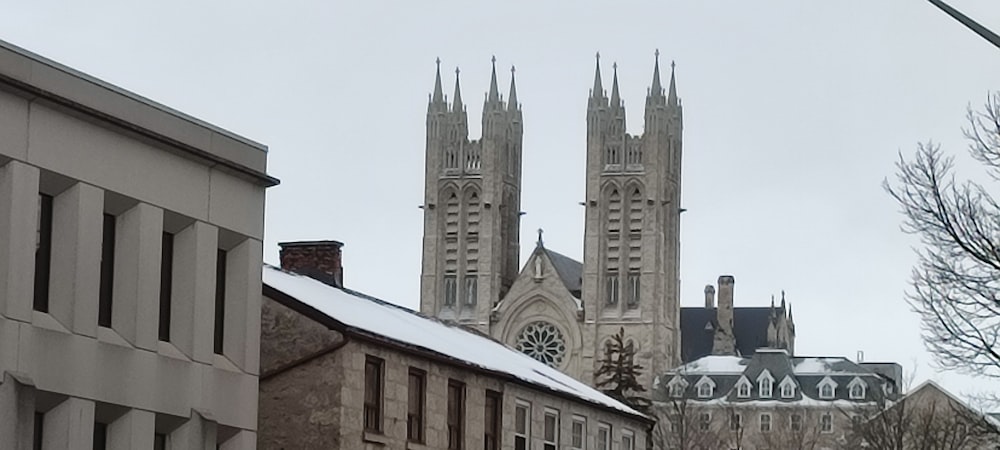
(527, 420)
(765, 380)
(743, 382)
(707, 423)
(551, 412)
(601, 426)
(787, 383)
(824, 416)
(827, 381)
(627, 433)
(583, 435)
(705, 382)
(770, 422)
(677, 381)
(856, 382)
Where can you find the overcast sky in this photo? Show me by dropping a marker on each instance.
(794, 114)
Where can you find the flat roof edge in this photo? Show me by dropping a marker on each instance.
(68, 87)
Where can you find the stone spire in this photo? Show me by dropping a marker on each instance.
(512, 96)
(457, 102)
(616, 101)
(438, 96)
(656, 89)
(672, 92)
(598, 90)
(494, 95)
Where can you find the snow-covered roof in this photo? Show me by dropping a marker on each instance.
(714, 365)
(408, 327)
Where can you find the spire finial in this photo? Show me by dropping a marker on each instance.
(512, 95)
(615, 97)
(656, 53)
(438, 95)
(457, 100)
(672, 91)
(494, 95)
(540, 231)
(656, 89)
(598, 90)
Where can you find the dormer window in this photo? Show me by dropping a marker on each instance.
(827, 388)
(787, 388)
(706, 387)
(743, 388)
(856, 390)
(765, 384)
(677, 387)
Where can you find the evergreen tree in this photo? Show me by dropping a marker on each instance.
(618, 376)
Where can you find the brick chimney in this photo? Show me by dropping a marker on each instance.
(320, 260)
(709, 296)
(725, 340)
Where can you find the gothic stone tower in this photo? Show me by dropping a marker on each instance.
(472, 199)
(632, 229)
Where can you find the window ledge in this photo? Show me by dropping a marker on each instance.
(417, 446)
(44, 320)
(222, 362)
(110, 336)
(169, 350)
(375, 437)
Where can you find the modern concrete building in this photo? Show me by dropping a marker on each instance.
(130, 250)
(340, 369)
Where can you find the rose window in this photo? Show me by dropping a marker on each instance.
(542, 341)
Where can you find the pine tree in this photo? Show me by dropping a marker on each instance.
(618, 376)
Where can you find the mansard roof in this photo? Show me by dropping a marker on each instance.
(749, 326)
(806, 372)
(365, 317)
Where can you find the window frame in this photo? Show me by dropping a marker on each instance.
(166, 285)
(634, 279)
(735, 421)
(493, 426)
(795, 422)
(856, 383)
(471, 289)
(740, 386)
(826, 423)
(787, 389)
(613, 289)
(704, 421)
(606, 430)
(629, 437)
(765, 388)
(574, 443)
(106, 295)
(768, 423)
(219, 329)
(374, 394)
(415, 414)
(455, 418)
(43, 253)
(553, 442)
(450, 290)
(523, 436)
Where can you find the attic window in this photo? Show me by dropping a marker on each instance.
(787, 390)
(765, 388)
(826, 391)
(856, 390)
(677, 387)
(706, 388)
(743, 389)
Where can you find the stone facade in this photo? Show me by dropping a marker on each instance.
(312, 391)
(630, 274)
(119, 323)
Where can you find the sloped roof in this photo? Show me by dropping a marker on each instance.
(570, 271)
(749, 327)
(362, 314)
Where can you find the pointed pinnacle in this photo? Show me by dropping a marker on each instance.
(512, 100)
(457, 101)
(438, 95)
(615, 97)
(494, 94)
(598, 91)
(672, 92)
(656, 89)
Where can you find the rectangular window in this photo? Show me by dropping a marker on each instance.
(107, 272)
(220, 301)
(765, 388)
(628, 440)
(415, 406)
(550, 435)
(493, 416)
(826, 423)
(633, 290)
(471, 289)
(603, 437)
(579, 431)
(456, 415)
(796, 422)
(43, 253)
(735, 422)
(765, 422)
(704, 421)
(450, 290)
(373, 393)
(612, 287)
(38, 431)
(522, 431)
(159, 441)
(100, 436)
(166, 284)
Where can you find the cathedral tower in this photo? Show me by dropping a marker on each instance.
(472, 200)
(632, 230)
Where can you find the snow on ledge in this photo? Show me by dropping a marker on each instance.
(408, 327)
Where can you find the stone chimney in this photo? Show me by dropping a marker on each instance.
(725, 340)
(320, 260)
(709, 296)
